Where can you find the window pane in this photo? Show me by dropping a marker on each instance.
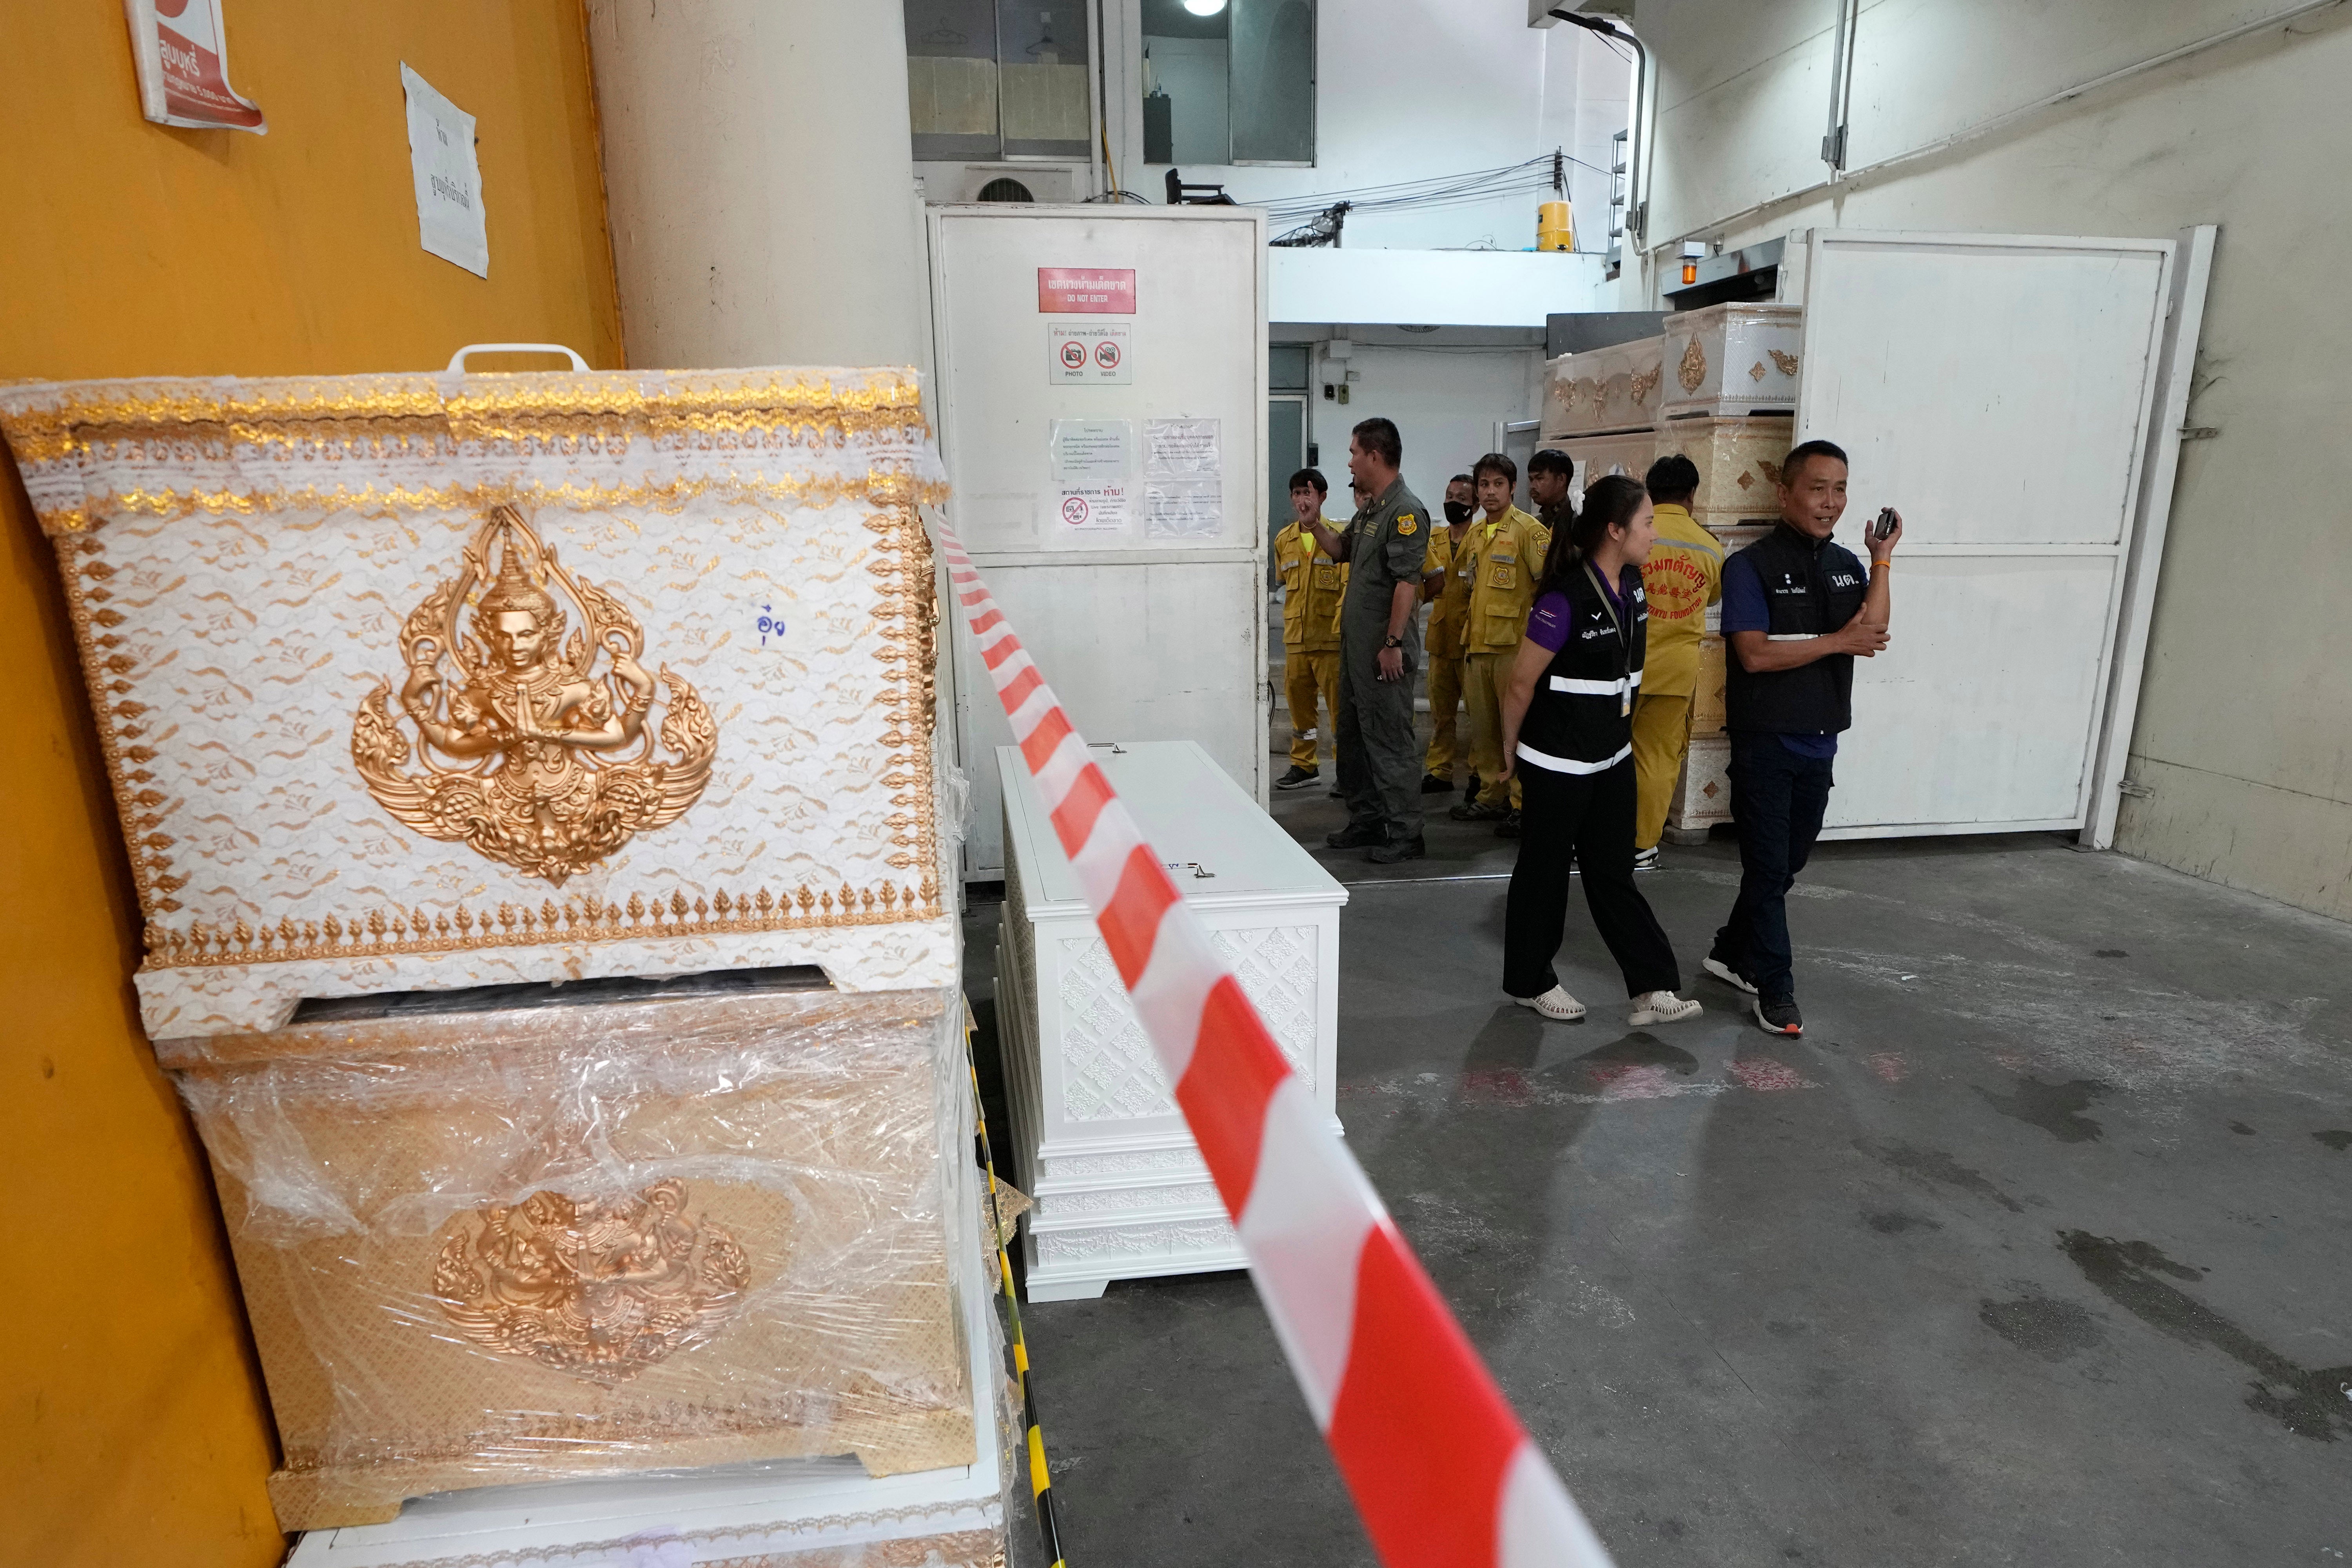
(1047, 109)
(1185, 85)
(1273, 81)
(951, 79)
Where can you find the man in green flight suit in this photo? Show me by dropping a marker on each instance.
(1380, 649)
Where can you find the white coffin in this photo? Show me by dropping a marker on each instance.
(1732, 359)
(274, 585)
(1616, 388)
(1120, 1188)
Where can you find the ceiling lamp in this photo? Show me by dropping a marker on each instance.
(1205, 8)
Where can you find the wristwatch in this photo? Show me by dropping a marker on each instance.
(1393, 642)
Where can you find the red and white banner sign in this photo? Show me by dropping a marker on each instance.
(1086, 291)
(181, 51)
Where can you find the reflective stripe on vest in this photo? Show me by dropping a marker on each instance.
(1575, 688)
(1569, 765)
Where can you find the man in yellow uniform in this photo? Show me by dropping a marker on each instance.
(1448, 594)
(1312, 585)
(1683, 576)
(1504, 553)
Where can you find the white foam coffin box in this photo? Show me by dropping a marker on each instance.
(418, 682)
(1120, 1188)
(1612, 388)
(1730, 360)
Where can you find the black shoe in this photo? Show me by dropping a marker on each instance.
(1397, 849)
(1779, 1016)
(1432, 784)
(1336, 793)
(1356, 835)
(1298, 777)
(1509, 826)
(1472, 811)
(1723, 970)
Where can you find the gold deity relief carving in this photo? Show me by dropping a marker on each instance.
(599, 1290)
(535, 750)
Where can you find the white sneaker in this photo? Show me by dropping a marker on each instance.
(1555, 1003)
(1728, 975)
(1645, 859)
(1663, 1007)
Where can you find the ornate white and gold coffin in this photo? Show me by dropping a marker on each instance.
(1739, 463)
(1729, 360)
(432, 681)
(1613, 388)
(535, 1232)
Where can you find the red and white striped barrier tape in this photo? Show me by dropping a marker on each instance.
(1442, 1471)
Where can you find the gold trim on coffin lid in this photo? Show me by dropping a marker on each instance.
(530, 408)
(880, 487)
(536, 778)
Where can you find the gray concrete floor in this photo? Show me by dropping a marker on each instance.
(2036, 1250)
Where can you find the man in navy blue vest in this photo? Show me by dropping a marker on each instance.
(1798, 610)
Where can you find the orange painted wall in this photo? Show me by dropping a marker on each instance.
(133, 1428)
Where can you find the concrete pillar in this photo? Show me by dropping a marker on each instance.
(760, 178)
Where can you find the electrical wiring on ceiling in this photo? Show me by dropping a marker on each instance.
(1436, 190)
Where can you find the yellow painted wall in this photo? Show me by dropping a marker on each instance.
(133, 1428)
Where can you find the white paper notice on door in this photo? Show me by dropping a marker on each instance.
(1092, 449)
(449, 177)
(1183, 509)
(1179, 448)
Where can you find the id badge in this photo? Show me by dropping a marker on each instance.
(1624, 705)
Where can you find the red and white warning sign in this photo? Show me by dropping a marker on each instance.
(181, 51)
(1098, 353)
(1086, 291)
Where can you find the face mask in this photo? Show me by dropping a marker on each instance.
(1455, 511)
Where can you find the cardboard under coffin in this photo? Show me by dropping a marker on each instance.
(539, 1232)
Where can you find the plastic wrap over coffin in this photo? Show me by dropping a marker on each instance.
(501, 1238)
(428, 682)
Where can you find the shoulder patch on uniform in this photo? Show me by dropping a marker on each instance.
(1405, 524)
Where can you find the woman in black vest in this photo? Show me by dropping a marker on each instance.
(1568, 733)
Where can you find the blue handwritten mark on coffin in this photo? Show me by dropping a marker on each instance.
(770, 625)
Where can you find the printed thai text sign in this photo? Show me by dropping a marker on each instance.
(1086, 291)
(1097, 354)
(181, 49)
(449, 177)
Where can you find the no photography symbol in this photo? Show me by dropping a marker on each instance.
(1074, 356)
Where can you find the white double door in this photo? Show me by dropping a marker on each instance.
(2006, 393)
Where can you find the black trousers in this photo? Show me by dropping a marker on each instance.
(1777, 801)
(1590, 814)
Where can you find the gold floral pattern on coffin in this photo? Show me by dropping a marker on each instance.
(73, 501)
(598, 1290)
(1692, 369)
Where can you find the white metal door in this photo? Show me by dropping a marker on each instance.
(1996, 389)
(1144, 635)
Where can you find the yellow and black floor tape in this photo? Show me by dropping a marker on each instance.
(1041, 1480)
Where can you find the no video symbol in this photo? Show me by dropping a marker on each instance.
(1074, 356)
(1075, 510)
(1106, 353)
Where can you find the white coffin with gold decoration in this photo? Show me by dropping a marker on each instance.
(1613, 388)
(1732, 360)
(426, 681)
